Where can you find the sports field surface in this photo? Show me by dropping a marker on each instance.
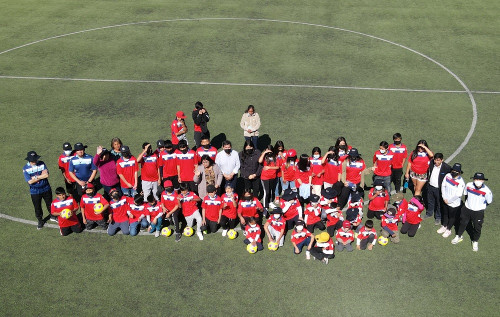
(87, 71)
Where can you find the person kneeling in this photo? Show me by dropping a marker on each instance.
(61, 203)
(324, 249)
(301, 237)
(253, 234)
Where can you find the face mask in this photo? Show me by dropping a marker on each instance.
(478, 183)
(206, 146)
(316, 156)
(382, 151)
(91, 194)
(343, 148)
(397, 142)
(247, 198)
(378, 187)
(276, 216)
(250, 151)
(454, 174)
(314, 205)
(253, 225)
(228, 151)
(67, 153)
(170, 150)
(126, 156)
(116, 196)
(299, 228)
(184, 151)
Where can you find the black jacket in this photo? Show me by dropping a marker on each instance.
(445, 169)
(201, 119)
(249, 164)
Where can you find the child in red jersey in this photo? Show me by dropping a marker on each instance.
(334, 218)
(303, 177)
(229, 217)
(63, 201)
(275, 226)
(188, 203)
(170, 206)
(344, 237)
(400, 153)
(118, 217)
(367, 236)
(154, 215)
(150, 174)
(179, 128)
(289, 169)
(324, 249)
(382, 165)
(317, 171)
(249, 206)
(137, 214)
(187, 163)
(168, 164)
(312, 214)
(292, 211)
(63, 163)
(333, 169)
(253, 234)
(211, 210)
(127, 168)
(412, 217)
(390, 224)
(401, 205)
(354, 212)
(379, 199)
(300, 237)
(90, 217)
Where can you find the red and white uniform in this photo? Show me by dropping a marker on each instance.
(291, 208)
(413, 214)
(149, 168)
(390, 222)
(328, 246)
(270, 173)
(153, 211)
(249, 208)
(343, 155)
(312, 214)
(87, 206)
(211, 152)
(359, 206)
(333, 216)
(118, 210)
(137, 211)
(345, 236)
(325, 203)
(365, 233)
(212, 207)
(420, 164)
(189, 204)
(169, 201)
(298, 237)
(63, 163)
(289, 172)
(59, 205)
(403, 205)
(303, 176)
(378, 203)
(176, 126)
(127, 168)
(280, 161)
(333, 169)
(253, 234)
(399, 155)
(229, 209)
(316, 168)
(187, 164)
(168, 164)
(384, 163)
(353, 171)
(276, 224)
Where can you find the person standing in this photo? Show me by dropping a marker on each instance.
(179, 128)
(127, 168)
(36, 175)
(399, 153)
(206, 174)
(479, 196)
(82, 169)
(382, 169)
(418, 166)
(437, 171)
(229, 163)
(63, 163)
(250, 167)
(451, 191)
(150, 174)
(106, 164)
(187, 164)
(200, 118)
(250, 123)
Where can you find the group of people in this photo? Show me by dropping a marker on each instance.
(169, 183)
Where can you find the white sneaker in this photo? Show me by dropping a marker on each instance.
(325, 260)
(457, 239)
(308, 255)
(475, 246)
(272, 206)
(441, 230)
(200, 235)
(224, 232)
(447, 233)
(157, 234)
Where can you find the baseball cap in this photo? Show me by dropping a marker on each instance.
(457, 167)
(314, 198)
(67, 146)
(322, 237)
(89, 185)
(125, 149)
(291, 153)
(289, 194)
(353, 152)
(79, 146)
(329, 193)
(160, 143)
(346, 224)
(32, 156)
(480, 176)
(299, 223)
(167, 183)
(276, 210)
(180, 114)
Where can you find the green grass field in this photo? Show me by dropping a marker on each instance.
(93, 274)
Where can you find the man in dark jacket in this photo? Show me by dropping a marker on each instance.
(200, 118)
(437, 171)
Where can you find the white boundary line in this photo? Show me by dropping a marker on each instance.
(466, 89)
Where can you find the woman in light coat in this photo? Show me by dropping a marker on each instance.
(206, 174)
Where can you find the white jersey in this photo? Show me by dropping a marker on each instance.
(477, 198)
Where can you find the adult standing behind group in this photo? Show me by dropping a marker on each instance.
(200, 118)
(418, 165)
(229, 163)
(250, 123)
(437, 171)
(206, 174)
(106, 164)
(250, 167)
(81, 169)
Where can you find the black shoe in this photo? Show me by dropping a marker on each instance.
(40, 224)
(178, 237)
(54, 219)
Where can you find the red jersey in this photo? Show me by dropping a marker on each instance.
(249, 208)
(333, 169)
(211, 152)
(59, 205)
(289, 172)
(333, 216)
(63, 163)
(169, 201)
(137, 211)
(153, 211)
(212, 207)
(378, 203)
(403, 205)
(345, 236)
(189, 204)
(253, 233)
(176, 126)
(127, 168)
(325, 203)
(270, 173)
(365, 233)
(390, 222)
(303, 176)
(277, 224)
(413, 214)
(119, 210)
(384, 163)
(187, 163)
(316, 168)
(298, 237)
(149, 168)
(87, 206)
(420, 164)
(328, 247)
(229, 209)
(399, 155)
(280, 161)
(312, 214)
(353, 171)
(168, 164)
(290, 208)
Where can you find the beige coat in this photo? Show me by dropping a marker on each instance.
(201, 181)
(251, 122)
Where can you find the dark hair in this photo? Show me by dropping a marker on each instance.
(207, 158)
(415, 152)
(340, 139)
(396, 135)
(304, 162)
(316, 149)
(279, 144)
(226, 142)
(244, 154)
(252, 220)
(168, 144)
(205, 137)
(438, 156)
(138, 199)
(369, 223)
(183, 187)
(182, 143)
(384, 144)
(250, 107)
(151, 198)
(169, 189)
(198, 105)
(60, 191)
(113, 140)
(269, 155)
(248, 191)
(334, 204)
(290, 159)
(145, 144)
(335, 155)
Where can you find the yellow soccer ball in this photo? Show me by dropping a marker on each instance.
(272, 246)
(251, 248)
(188, 231)
(232, 234)
(167, 232)
(66, 213)
(383, 240)
(98, 208)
